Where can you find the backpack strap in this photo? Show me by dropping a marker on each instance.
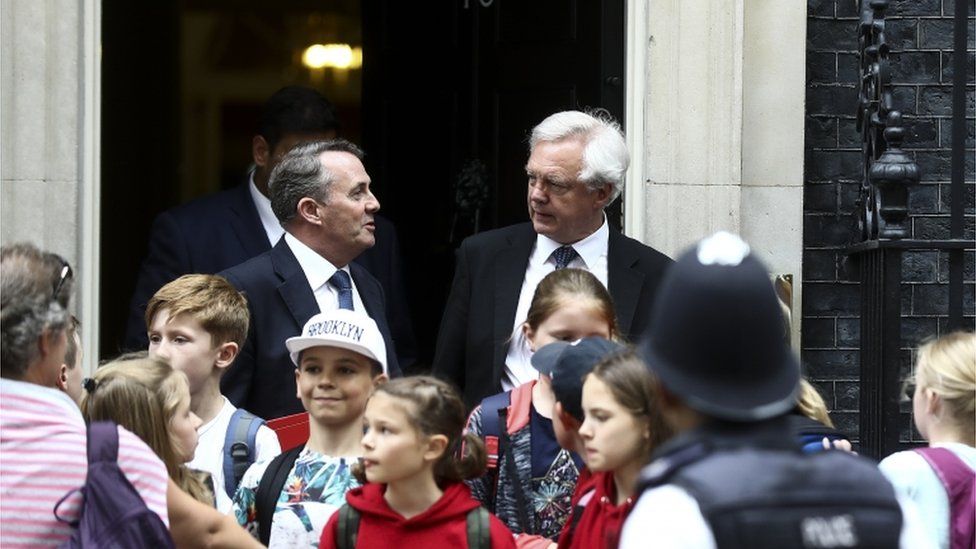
(269, 488)
(102, 447)
(490, 426)
(103, 442)
(957, 479)
(239, 447)
(348, 527)
(478, 528)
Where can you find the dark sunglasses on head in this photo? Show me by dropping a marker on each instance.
(65, 275)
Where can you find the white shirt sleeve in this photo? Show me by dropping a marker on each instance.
(913, 532)
(267, 444)
(666, 517)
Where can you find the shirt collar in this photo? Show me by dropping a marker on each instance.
(268, 219)
(318, 270)
(39, 392)
(590, 249)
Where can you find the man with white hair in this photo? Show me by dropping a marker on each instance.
(576, 168)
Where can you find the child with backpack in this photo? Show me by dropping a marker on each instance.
(415, 457)
(530, 478)
(198, 323)
(622, 427)
(940, 477)
(152, 400)
(340, 357)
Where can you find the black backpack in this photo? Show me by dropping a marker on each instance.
(269, 488)
(756, 489)
(478, 528)
(112, 514)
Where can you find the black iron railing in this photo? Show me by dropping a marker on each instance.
(889, 174)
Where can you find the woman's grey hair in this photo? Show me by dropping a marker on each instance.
(28, 308)
(605, 156)
(301, 174)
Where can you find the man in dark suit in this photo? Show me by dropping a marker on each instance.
(221, 230)
(320, 194)
(576, 168)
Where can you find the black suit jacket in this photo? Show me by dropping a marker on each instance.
(262, 378)
(473, 340)
(222, 230)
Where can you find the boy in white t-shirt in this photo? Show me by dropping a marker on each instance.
(198, 323)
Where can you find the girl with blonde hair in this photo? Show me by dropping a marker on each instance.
(151, 399)
(940, 478)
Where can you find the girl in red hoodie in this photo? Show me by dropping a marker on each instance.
(414, 496)
(621, 429)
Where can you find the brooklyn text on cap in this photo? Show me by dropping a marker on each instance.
(341, 328)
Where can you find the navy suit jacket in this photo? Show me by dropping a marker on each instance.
(222, 230)
(262, 378)
(490, 267)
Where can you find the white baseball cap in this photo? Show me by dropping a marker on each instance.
(344, 329)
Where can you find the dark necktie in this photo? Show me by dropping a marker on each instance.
(563, 255)
(340, 281)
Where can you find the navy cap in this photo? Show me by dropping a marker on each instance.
(567, 364)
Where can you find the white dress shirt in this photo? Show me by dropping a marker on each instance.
(318, 271)
(592, 256)
(272, 227)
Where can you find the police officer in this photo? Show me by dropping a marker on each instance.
(734, 476)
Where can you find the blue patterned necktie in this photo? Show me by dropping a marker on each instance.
(340, 281)
(563, 255)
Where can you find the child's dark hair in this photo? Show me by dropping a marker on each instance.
(433, 407)
(636, 390)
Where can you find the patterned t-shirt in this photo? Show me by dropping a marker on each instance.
(315, 488)
(546, 473)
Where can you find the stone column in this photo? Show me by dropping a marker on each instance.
(723, 128)
(49, 143)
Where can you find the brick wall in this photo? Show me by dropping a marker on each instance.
(920, 35)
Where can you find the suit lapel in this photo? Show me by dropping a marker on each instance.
(509, 272)
(294, 289)
(246, 223)
(623, 279)
(369, 292)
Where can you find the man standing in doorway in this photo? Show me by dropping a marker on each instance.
(320, 194)
(221, 230)
(576, 168)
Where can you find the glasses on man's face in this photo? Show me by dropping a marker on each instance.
(65, 275)
(553, 187)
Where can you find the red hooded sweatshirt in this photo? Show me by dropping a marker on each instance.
(444, 524)
(599, 526)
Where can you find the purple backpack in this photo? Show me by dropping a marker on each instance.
(958, 480)
(112, 512)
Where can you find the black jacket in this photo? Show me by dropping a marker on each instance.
(480, 312)
(262, 378)
(221, 230)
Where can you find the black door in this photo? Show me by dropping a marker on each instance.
(452, 85)
(447, 85)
